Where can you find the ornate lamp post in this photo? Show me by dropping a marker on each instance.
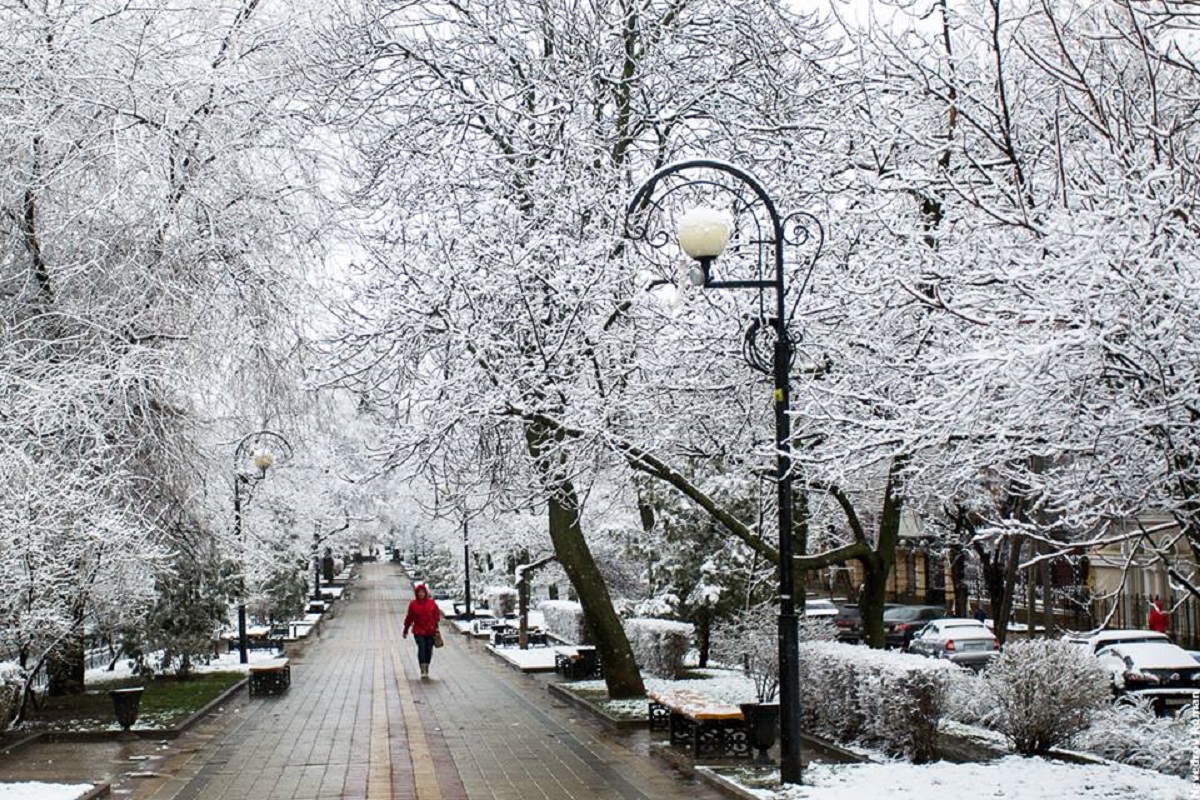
(713, 204)
(467, 613)
(259, 452)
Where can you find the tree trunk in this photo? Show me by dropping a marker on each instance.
(703, 632)
(872, 598)
(621, 673)
(65, 667)
(1004, 589)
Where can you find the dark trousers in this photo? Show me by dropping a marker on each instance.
(424, 648)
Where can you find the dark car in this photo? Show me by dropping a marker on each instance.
(901, 624)
(849, 622)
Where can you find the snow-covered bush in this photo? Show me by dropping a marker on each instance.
(1043, 691)
(502, 600)
(12, 683)
(659, 645)
(1132, 733)
(564, 619)
(752, 642)
(883, 698)
(968, 702)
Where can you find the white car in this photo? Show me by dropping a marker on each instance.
(1095, 642)
(818, 608)
(1160, 670)
(963, 641)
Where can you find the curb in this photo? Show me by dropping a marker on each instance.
(579, 702)
(101, 790)
(139, 733)
(724, 785)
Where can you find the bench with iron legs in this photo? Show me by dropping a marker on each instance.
(270, 678)
(708, 728)
(578, 663)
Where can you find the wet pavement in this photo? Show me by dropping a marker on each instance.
(358, 722)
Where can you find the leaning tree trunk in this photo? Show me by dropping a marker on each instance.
(65, 666)
(621, 673)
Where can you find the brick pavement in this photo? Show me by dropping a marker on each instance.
(359, 723)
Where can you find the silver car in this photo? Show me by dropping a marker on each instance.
(963, 641)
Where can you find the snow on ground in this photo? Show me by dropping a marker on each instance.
(30, 790)
(228, 662)
(1011, 778)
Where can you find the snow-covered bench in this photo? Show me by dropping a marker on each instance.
(270, 677)
(580, 661)
(710, 728)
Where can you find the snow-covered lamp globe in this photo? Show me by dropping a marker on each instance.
(703, 234)
(262, 458)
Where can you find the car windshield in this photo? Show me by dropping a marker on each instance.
(901, 614)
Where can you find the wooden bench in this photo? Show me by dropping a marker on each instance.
(578, 662)
(270, 677)
(709, 728)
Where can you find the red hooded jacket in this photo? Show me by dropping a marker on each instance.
(423, 613)
(1159, 621)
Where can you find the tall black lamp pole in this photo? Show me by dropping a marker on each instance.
(466, 568)
(703, 233)
(259, 451)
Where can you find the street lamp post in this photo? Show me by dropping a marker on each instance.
(466, 568)
(261, 451)
(316, 559)
(685, 191)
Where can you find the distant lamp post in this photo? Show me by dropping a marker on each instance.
(692, 194)
(467, 613)
(260, 451)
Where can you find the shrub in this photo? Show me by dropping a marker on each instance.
(659, 645)
(1130, 732)
(752, 642)
(12, 683)
(889, 699)
(502, 600)
(1043, 692)
(564, 619)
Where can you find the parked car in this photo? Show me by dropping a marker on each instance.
(849, 622)
(1161, 671)
(1094, 642)
(817, 607)
(964, 641)
(901, 623)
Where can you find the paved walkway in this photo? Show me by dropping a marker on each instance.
(359, 723)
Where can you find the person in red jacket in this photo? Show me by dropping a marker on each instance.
(1159, 621)
(423, 616)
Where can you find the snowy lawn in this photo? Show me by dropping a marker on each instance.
(165, 704)
(1011, 778)
(30, 790)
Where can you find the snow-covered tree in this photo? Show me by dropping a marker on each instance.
(496, 143)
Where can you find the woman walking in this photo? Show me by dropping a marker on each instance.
(423, 615)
